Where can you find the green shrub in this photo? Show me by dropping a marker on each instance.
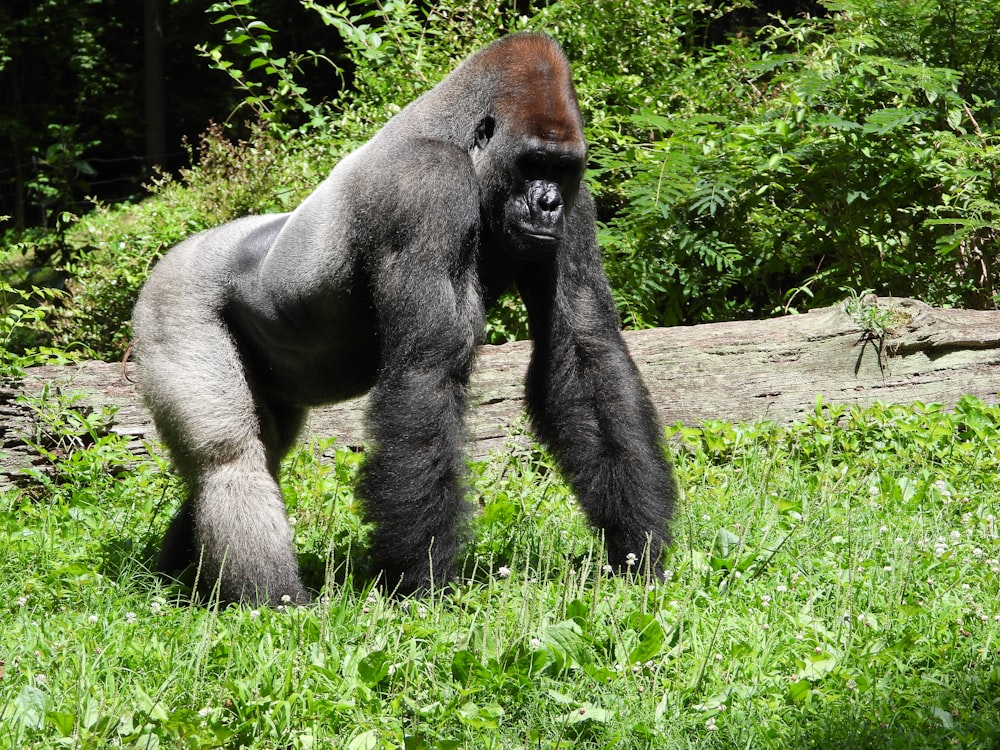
(743, 180)
(767, 174)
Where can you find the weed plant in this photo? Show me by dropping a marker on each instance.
(833, 584)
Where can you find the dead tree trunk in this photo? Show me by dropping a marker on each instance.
(740, 371)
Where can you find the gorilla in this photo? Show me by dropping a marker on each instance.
(378, 282)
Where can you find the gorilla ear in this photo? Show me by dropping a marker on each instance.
(484, 131)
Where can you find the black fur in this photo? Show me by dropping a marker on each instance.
(379, 281)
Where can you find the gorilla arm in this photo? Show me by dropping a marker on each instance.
(430, 311)
(587, 401)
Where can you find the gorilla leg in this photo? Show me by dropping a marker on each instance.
(227, 444)
(413, 479)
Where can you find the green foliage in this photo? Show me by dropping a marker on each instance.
(756, 177)
(819, 155)
(59, 88)
(267, 78)
(23, 318)
(833, 584)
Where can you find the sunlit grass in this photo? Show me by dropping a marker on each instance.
(832, 584)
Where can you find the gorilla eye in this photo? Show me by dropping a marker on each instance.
(484, 131)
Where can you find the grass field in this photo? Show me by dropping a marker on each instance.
(832, 585)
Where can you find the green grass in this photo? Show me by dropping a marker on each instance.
(833, 585)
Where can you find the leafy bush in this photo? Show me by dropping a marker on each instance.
(772, 172)
(747, 179)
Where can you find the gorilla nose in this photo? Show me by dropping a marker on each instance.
(550, 199)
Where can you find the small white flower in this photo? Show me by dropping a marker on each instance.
(608, 569)
(130, 617)
(286, 599)
(503, 571)
(630, 559)
(93, 619)
(21, 601)
(254, 613)
(534, 643)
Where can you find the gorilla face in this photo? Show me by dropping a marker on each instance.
(526, 207)
(545, 184)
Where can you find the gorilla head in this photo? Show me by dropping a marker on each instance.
(378, 283)
(529, 166)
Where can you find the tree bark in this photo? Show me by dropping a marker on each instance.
(741, 371)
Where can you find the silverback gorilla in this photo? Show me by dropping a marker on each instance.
(378, 282)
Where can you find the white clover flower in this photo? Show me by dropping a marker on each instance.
(21, 601)
(130, 617)
(503, 571)
(630, 559)
(254, 613)
(286, 599)
(608, 569)
(535, 644)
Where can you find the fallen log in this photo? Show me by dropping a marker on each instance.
(892, 351)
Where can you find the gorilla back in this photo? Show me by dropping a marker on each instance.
(378, 282)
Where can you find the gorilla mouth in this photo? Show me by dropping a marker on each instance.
(536, 236)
